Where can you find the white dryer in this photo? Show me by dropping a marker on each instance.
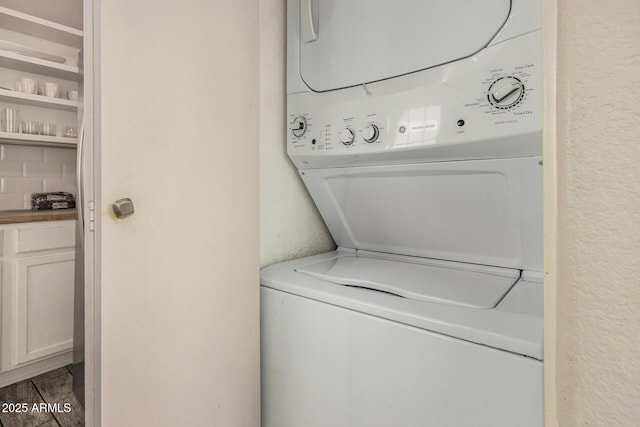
(416, 128)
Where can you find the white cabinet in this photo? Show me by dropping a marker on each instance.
(41, 40)
(37, 262)
(44, 302)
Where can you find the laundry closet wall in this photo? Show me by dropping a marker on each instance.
(290, 225)
(597, 268)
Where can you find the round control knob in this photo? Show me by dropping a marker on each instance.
(370, 133)
(506, 92)
(346, 136)
(299, 126)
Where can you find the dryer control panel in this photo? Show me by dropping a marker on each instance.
(485, 106)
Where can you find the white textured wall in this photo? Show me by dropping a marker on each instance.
(180, 278)
(290, 225)
(598, 236)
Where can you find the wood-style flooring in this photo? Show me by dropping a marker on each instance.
(49, 400)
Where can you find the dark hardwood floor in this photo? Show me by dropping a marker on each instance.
(43, 401)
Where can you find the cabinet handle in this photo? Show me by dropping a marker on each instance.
(307, 27)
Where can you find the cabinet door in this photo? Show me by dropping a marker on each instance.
(44, 306)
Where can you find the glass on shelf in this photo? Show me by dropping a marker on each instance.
(49, 129)
(70, 132)
(10, 120)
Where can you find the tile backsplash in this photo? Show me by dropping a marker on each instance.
(27, 170)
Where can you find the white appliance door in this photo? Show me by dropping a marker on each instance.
(349, 47)
(466, 286)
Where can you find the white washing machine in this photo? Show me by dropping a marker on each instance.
(416, 128)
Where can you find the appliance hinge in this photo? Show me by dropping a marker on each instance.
(92, 215)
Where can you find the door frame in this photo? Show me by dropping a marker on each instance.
(90, 181)
(550, 206)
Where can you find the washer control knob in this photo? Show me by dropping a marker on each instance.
(346, 136)
(506, 92)
(370, 133)
(299, 126)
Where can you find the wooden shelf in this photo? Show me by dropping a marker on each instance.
(37, 140)
(37, 100)
(40, 28)
(29, 64)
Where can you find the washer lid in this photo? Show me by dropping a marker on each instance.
(347, 43)
(518, 331)
(429, 280)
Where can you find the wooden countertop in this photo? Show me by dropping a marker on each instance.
(11, 217)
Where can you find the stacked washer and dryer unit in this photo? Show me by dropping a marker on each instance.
(416, 128)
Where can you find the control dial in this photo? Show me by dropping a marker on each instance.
(299, 126)
(506, 92)
(370, 133)
(346, 136)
